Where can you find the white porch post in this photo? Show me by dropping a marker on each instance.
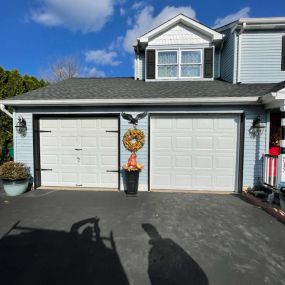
(281, 157)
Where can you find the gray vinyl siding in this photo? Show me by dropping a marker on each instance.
(228, 56)
(23, 146)
(260, 58)
(253, 147)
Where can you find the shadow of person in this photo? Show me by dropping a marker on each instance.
(168, 263)
(81, 256)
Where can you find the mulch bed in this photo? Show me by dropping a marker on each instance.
(271, 209)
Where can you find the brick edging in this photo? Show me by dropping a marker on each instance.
(275, 212)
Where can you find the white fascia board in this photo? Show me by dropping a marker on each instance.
(186, 21)
(262, 20)
(125, 102)
(254, 23)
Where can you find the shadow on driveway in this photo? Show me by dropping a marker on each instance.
(81, 256)
(38, 256)
(169, 264)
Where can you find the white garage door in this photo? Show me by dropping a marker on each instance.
(194, 152)
(79, 152)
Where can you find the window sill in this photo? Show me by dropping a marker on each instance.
(178, 79)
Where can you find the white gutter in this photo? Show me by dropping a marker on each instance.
(273, 20)
(255, 23)
(3, 109)
(125, 102)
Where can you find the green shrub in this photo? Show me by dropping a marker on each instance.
(14, 171)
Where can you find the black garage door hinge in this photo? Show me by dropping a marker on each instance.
(112, 131)
(45, 131)
(46, 169)
(112, 170)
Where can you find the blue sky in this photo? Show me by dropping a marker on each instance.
(100, 33)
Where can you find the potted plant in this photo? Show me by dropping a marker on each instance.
(132, 171)
(133, 140)
(15, 177)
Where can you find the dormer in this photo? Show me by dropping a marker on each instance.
(179, 49)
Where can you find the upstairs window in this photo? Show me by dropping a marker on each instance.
(167, 64)
(174, 64)
(191, 63)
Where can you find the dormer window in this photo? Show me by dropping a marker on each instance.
(175, 64)
(191, 64)
(167, 63)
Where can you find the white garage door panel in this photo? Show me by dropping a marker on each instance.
(87, 167)
(194, 152)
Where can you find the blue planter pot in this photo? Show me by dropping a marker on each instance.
(16, 187)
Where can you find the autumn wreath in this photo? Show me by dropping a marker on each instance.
(133, 140)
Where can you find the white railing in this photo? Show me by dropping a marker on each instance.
(270, 170)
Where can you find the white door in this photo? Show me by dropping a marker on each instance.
(194, 152)
(79, 152)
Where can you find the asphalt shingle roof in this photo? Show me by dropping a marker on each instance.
(128, 88)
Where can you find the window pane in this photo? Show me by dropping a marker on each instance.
(193, 56)
(167, 71)
(167, 57)
(191, 70)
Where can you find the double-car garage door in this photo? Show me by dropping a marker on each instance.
(194, 152)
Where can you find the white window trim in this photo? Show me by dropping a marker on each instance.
(178, 51)
(159, 64)
(200, 64)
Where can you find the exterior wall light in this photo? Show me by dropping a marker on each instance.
(257, 127)
(21, 126)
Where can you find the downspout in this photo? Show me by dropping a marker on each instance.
(137, 58)
(4, 110)
(239, 52)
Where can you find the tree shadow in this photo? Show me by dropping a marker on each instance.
(38, 256)
(169, 264)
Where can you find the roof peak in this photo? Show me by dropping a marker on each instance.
(193, 23)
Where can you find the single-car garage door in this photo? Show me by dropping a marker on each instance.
(79, 152)
(194, 152)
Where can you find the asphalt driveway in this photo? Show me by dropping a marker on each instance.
(68, 237)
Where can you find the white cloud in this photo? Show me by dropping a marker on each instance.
(123, 12)
(138, 5)
(84, 15)
(93, 72)
(102, 57)
(145, 21)
(129, 21)
(243, 13)
(116, 44)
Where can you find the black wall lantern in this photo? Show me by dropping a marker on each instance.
(257, 127)
(21, 126)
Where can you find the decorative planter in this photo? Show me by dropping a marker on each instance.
(15, 187)
(132, 182)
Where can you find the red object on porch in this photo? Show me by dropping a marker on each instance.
(274, 150)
